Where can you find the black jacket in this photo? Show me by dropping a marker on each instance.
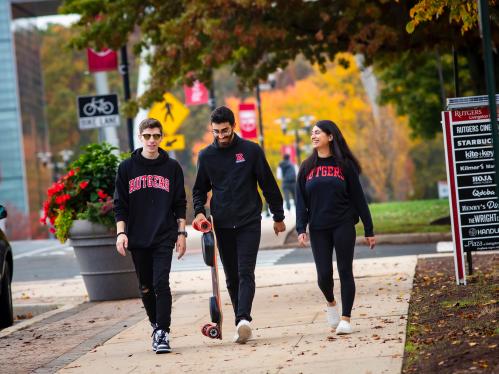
(150, 197)
(329, 196)
(232, 175)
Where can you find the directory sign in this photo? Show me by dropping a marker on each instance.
(472, 181)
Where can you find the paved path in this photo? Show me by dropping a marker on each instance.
(289, 327)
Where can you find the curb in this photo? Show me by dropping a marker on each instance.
(40, 317)
(412, 238)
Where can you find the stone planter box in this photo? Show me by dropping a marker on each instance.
(107, 275)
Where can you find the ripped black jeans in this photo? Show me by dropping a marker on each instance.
(153, 271)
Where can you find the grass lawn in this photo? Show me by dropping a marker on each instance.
(407, 216)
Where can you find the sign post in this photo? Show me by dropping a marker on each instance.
(471, 175)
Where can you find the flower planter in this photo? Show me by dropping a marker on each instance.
(107, 275)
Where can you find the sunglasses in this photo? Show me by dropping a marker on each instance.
(224, 132)
(148, 136)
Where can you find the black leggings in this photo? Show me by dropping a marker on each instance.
(153, 271)
(342, 238)
(238, 251)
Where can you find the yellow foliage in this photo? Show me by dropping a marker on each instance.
(338, 95)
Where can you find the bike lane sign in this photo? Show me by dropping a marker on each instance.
(98, 111)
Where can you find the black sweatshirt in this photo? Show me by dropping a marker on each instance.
(232, 174)
(150, 197)
(329, 196)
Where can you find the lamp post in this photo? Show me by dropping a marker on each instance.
(306, 120)
(46, 159)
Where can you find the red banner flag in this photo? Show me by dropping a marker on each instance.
(247, 120)
(196, 95)
(104, 60)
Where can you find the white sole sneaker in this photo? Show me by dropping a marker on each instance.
(243, 333)
(344, 328)
(333, 317)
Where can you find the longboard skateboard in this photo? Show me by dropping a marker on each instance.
(212, 330)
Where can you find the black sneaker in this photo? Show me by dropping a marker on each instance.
(163, 342)
(153, 335)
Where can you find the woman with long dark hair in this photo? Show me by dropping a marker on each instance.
(330, 199)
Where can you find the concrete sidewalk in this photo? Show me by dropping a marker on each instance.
(290, 333)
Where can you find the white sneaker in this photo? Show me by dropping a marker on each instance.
(243, 332)
(333, 317)
(343, 328)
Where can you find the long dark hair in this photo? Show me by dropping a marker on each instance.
(338, 146)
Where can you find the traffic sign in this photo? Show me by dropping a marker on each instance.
(170, 112)
(173, 142)
(98, 111)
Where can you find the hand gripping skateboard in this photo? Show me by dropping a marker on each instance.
(210, 253)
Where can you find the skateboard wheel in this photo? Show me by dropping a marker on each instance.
(214, 332)
(214, 310)
(204, 329)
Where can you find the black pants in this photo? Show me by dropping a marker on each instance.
(238, 251)
(289, 192)
(342, 238)
(153, 271)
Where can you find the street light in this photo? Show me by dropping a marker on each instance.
(306, 120)
(46, 159)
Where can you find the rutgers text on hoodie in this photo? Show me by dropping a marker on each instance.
(150, 197)
(329, 196)
(232, 174)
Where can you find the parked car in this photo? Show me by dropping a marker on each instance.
(6, 271)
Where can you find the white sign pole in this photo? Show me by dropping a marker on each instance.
(107, 134)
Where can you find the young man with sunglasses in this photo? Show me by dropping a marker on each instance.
(150, 205)
(231, 168)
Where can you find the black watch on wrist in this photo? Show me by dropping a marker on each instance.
(182, 233)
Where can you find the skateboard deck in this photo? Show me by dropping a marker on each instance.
(212, 330)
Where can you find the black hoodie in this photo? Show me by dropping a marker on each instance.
(232, 174)
(329, 196)
(150, 197)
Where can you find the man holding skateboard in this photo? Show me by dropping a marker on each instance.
(150, 205)
(231, 168)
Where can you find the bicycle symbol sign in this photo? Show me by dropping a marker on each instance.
(98, 111)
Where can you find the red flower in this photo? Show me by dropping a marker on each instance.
(71, 173)
(52, 230)
(83, 184)
(102, 194)
(61, 199)
(43, 220)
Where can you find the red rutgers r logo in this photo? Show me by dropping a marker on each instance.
(239, 157)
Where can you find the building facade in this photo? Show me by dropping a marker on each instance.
(23, 127)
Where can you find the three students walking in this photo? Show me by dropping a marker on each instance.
(150, 214)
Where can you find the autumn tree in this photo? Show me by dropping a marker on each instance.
(338, 94)
(193, 38)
